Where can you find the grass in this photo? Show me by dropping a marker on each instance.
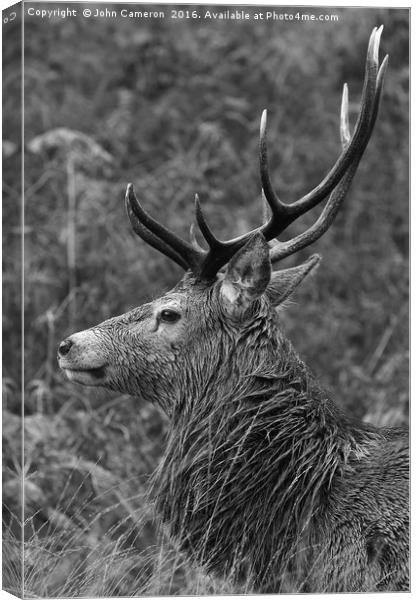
(68, 556)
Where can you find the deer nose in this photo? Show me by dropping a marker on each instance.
(64, 347)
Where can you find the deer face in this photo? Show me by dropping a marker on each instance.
(161, 349)
(144, 351)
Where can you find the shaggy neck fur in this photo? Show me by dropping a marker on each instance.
(251, 458)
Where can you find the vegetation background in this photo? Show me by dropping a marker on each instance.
(173, 105)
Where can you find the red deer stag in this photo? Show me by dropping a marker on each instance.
(265, 481)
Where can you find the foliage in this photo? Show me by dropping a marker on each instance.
(174, 106)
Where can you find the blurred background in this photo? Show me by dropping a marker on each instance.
(174, 105)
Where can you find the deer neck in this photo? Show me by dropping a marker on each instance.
(249, 459)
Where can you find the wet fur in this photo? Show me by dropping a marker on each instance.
(265, 480)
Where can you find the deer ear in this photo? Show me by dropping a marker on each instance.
(247, 275)
(283, 283)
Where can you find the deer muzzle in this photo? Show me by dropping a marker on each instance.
(80, 357)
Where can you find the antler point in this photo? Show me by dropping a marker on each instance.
(129, 190)
(263, 123)
(376, 46)
(344, 119)
(315, 258)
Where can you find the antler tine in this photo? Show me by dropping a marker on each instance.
(287, 213)
(158, 236)
(284, 214)
(203, 226)
(265, 214)
(152, 240)
(219, 252)
(278, 208)
(325, 220)
(344, 128)
(193, 239)
(359, 138)
(283, 249)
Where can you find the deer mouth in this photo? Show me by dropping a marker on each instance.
(95, 376)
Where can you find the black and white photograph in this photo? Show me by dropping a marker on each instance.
(205, 299)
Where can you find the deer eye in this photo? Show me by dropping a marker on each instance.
(169, 316)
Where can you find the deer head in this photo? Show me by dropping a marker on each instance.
(178, 344)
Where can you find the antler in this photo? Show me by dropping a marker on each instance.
(206, 263)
